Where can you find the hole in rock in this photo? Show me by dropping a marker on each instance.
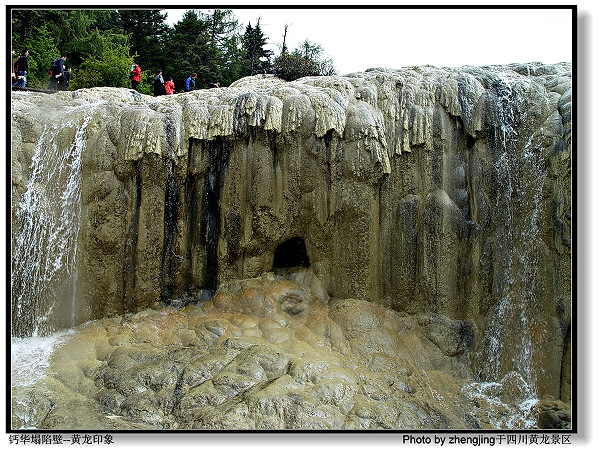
(470, 141)
(292, 253)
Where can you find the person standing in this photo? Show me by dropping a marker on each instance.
(159, 84)
(64, 83)
(135, 76)
(170, 86)
(57, 70)
(14, 60)
(20, 69)
(190, 83)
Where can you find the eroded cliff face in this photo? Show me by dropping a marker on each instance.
(426, 190)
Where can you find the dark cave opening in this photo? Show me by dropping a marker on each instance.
(292, 253)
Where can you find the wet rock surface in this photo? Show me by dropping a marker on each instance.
(265, 353)
(443, 194)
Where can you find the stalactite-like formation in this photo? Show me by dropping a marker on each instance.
(438, 191)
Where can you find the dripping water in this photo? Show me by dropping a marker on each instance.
(507, 349)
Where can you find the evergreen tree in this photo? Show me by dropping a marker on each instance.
(306, 60)
(148, 34)
(206, 44)
(221, 26)
(234, 62)
(257, 59)
(187, 46)
(78, 35)
(26, 22)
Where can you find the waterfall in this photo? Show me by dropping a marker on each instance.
(507, 351)
(44, 273)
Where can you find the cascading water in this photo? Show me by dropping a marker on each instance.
(44, 271)
(506, 356)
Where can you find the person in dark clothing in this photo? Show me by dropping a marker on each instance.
(190, 83)
(135, 75)
(57, 70)
(64, 83)
(159, 84)
(20, 69)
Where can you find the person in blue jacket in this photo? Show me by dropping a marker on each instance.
(190, 83)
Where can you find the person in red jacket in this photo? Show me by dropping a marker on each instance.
(170, 86)
(135, 75)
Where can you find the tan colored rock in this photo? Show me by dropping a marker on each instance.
(427, 190)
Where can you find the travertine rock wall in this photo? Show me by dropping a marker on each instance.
(428, 190)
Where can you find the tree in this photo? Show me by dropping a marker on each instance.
(147, 33)
(26, 23)
(284, 46)
(206, 44)
(108, 66)
(186, 44)
(257, 59)
(304, 61)
(221, 27)
(78, 35)
(42, 52)
(234, 62)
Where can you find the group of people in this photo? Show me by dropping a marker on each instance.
(59, 74)
(162, 87)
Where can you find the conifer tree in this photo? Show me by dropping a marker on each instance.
(306, 60)
(148, 33)
(257, 58)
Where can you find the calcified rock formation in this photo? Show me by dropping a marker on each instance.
(271, 353)
(426, 190)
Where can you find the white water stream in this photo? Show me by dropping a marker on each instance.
(44, 270)
(30, 357)
(507, 350)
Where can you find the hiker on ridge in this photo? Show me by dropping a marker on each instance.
(135, 75)
(20, 69)
(57, 69)
(170, 86)
(190, 83)
(159, 84)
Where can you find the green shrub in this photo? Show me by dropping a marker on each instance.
(290, 67)
(110, 68)
(146, 80)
